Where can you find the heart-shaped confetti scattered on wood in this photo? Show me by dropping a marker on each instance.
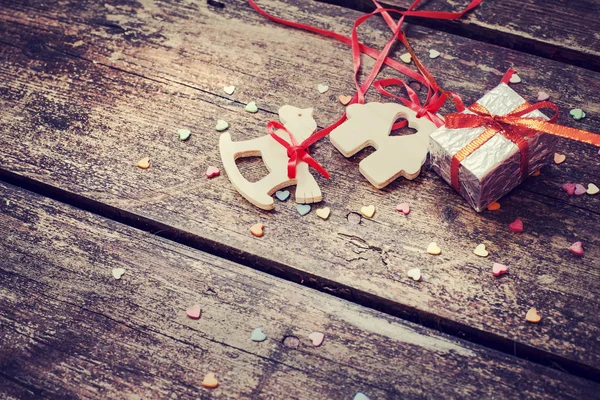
(577, 114)
(577, 249)
(516, 226)
(580, 189)
(303, 209)
(344, 99)
(221, 125)
(499, 269)
(406, 58)
(184, 134)
(481, 251)
(543, 96)
(322, 88)
(404, 208)
(144, 163)
(494, 206)
(559, 158)
(323, 213)
(414, 273)
(368, 211)
(282, 195)
(569, 188)
(194, 311)
(434, 249)
(434, 54)
(229, 89)
(257, 229)
(592, 189)
(360, 396)
(316, 338)
(533, 316)
(210, 381)
(117, 273)
(536, 173)
(291, 342)
(211, 172)
(258, 335)
(515, 79)
(251, 107)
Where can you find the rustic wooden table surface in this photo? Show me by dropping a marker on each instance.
(88, 88)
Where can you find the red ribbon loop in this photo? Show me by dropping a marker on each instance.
(296, 152)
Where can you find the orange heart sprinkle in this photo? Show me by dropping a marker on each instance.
(257, 229)
(494, 206)
(536, 173)
(210, 381)
(559, 158)
(144, 163)
(533, 316)
(344, 99)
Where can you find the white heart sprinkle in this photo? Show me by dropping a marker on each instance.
(406, 58)
(117, 273)
(322, 88)
(515, 79)
(414, 273)
(229, 89)
(434, 54)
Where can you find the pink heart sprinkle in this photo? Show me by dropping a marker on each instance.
(569, 188)
(499, 269)
(403, 208)
(194, 311)
(580, 189)
(543, 96)
(316, 338)
(516, 226)
(211, 172)
(577, 249)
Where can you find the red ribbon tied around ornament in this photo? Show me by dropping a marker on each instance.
(514, 127)
(296, 152)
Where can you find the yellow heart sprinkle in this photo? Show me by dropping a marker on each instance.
(323, 212)
(368, 211)
(481, 251)
(414, 273)
(592, 189)
(434, 249)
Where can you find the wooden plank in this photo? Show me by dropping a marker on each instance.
(70, 330)
(83, 125)
(553, 29)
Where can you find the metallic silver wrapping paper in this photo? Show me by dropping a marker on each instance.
(494, 169)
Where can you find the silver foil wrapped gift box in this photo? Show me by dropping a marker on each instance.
(495, 168)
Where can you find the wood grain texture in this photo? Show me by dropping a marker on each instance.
(85, 91)
(70, 330)
(556, 29)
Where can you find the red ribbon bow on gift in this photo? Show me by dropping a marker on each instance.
(296, 152)
(514, 127)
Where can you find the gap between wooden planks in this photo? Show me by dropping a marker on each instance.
(157, 72)
(71, 330)
(552, 29)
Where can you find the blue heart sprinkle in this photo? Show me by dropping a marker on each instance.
(258, 335)
(303, 209)
(360, 396)
(282, 195)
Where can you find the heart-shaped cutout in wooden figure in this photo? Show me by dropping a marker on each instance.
(516, 226)
(499, 269)
(414, 273)
(211, 172)
(370, 125)
(533, 316)
(434, 249)
(316, 338)
(257, 229)
(577, 249)
(194, 311)
(481, 251)
(323, 213)
(368, 211)
(117, 273)
(210, 381)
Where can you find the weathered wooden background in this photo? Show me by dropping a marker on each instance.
(88, 88)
